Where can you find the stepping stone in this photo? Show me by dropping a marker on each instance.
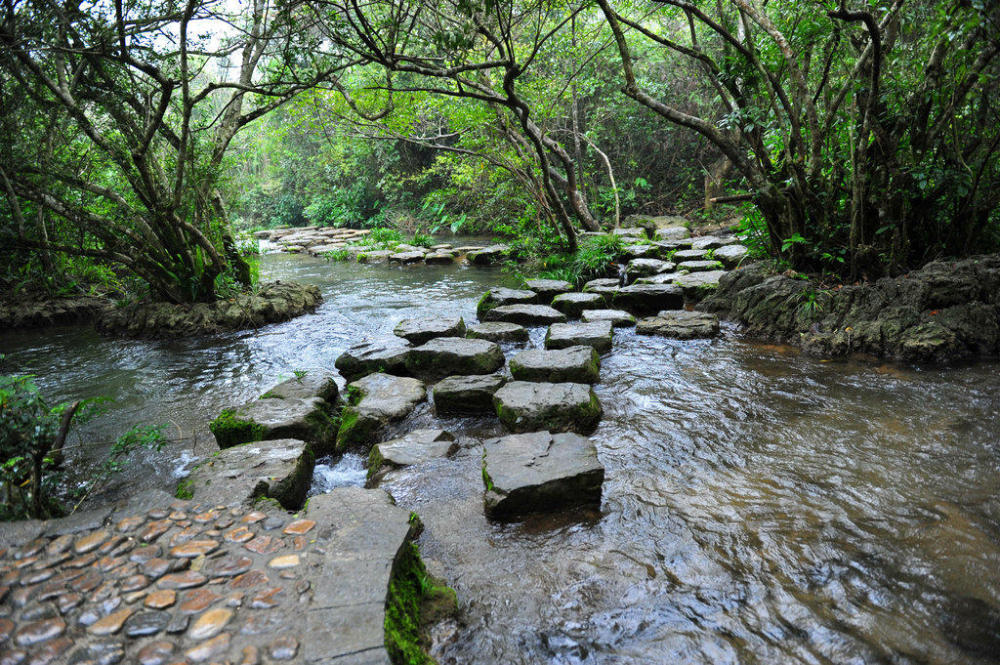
(690, 255)
(575, 364)
(527, 315)
(547, 289)
(573, 304)
(416, 447)
(314, 383)
(439, 258)
(640, 251)
(498, 331)
(447, 356)
(670, 246)
(441, 247)
(377, 256)
(630, 233)
(526, 406)
(377, 400)
(499, 296)
(647, 267)
(680, 324)
(672, 233)
(406, 258)
(280, 470)
(699, 285)
(268, 419)
(465, 249)
(698, 266)
(540, 472)
(404, 248)
(709, 242)
(662, 278)
(384, 355)
(603, 282)
(649, 298)
(467, 394)
(488, 256)
(730, 255)
(420, 331)
(596, 334)
(606, 288)
(619, 318)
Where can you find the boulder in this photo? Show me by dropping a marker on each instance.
(377, 400)
(573, 304)
(690, 255)
(547, 289)
(679, 324)
(526, 406)
(699, 285)
(540, 472)
(619, 318)
(499, 296)
(699, 266)
(709, 242)
(446, 356)
(525, 315)
(467, 394)
(596, 334)
(647, 267)
(281, 469)
(730, 255)
(415, 447)
(406, 258)
(575, 364)
(649, 298)
(268, 419)
(384, 355)
(313, 383)
(488, 256)
(498, 331)
(420, 331)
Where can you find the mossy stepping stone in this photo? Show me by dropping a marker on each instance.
(564, 335)
(498, 331)
(446, 356)
(420, 331)
(377, 400)
(619, 318)
(576, 364)
(547, 289)
(680, 324)
(527, 315)
(573, 304)
(280, 469)
(499, 296)
(466, 394)
(384, 355)
(649, 298)
(527, 406)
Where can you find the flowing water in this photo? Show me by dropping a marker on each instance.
(759, 506)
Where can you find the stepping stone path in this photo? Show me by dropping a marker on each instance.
(419, 331)
(498, 331)
(377, 401)
(384, 355)
(597, 334)
(576, 364)
(445, 356)
(280, 470)
(680, 324)
(540, 472)
(467, 394)
(499, 296)
(573, 304)
(416, 447)
(547, 289)
(527, 315)
(649, 298)
(171, 581)
(526, 406)
(619, 318)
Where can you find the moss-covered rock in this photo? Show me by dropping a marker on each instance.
(446, 356)
(525, 406)
(380, 399)
(574, 364)
(307, 419)
(499, 296)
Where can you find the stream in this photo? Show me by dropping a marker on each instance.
(759, 506)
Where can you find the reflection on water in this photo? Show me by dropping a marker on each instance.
(759, 506)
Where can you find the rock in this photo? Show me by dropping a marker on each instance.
(699, 285)
(488, 256)
(619, 318)
(630, 233)
(647, 267)
(649, 298)
(525, 314)
(672, 233)
(730, 255)
(465, 249)
(606, 288)
(377, 400)
(698, 266)
(439, 258)
(268, 419)
(416, 447)
(315, 383)
(662, 278)
(385, 355)
(526, 406)
(540, 472)
(575, 364)
(679, 324)
(640, 251)
(280, 470)
(419, 331)
(547, 289)
(690, 255)
(37, 313)
(376, 256)
(466, 394)
(709, 242)
(445, 356)
(499, 296)
(596, 334)
(603, 282)
(441, 247)
(406, 248)
(498, 331)
(407, 258)
(573, 304)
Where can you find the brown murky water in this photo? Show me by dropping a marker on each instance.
(759, 506)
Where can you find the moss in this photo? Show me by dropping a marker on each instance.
(230, 430)
(414, 601)
(185, 489)
(416, 525)
(324, 428)
(484, 305)
(487, 481)
(355, 429)
(375, 461)
(270, 395)
(354, 394)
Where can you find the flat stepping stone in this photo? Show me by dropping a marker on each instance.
(313, 383)
(420, 331)
(640, 251)
(269, 419)
(672, 233)
(377, 256)
(698, 285)
(498, 331)
(439, 258)
(698, 266)
(730, 255)
(465, 249)
(547, 289)
(619, 318)
(416, 447)
(499, 296)
(526, 406)
(605, 287)
(384, 355)
(680, 324)
(649, 298)
(404, 248)
(690, 255)
(441, 247)
(487, 256)
(662, 278)
(378, 400)
(595, 333)
(575, 364)
(527, 315)
(573, 304)
(447, 356)
(540, 472)
(467, 394)
(602, 282)
(630, 232)
(647, 267)
(281, 470)
(709, 242)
